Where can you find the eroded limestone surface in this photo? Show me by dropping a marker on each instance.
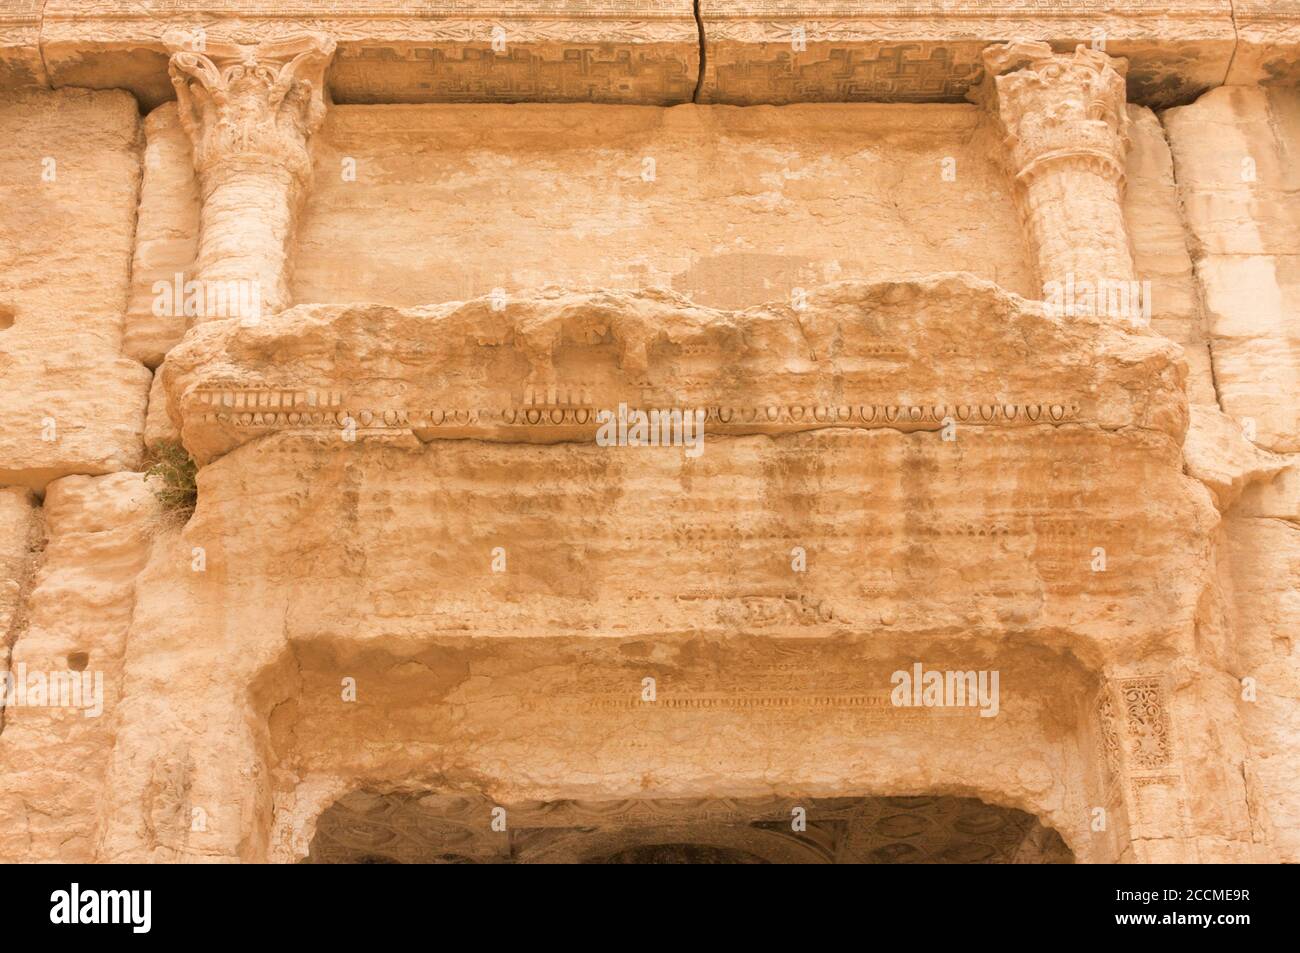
(987, 348)
(69, 175)
(849, 355)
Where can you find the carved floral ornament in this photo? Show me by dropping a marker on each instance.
(250, 99)
(1141, 719)
(1057, 107)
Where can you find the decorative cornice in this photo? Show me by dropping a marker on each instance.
(273, 409)
(648, 51)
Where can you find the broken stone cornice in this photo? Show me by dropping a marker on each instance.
(539, 368)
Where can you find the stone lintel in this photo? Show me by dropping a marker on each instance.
(648, 51)
(619, 51)
(868, 51)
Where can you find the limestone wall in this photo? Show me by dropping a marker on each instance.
(68, 186)
(55, 758)
(416, 570)
(1235, 154)
(730, 207)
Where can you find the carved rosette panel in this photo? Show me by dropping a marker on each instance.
(250, 110)
(1133, 726)
(1135, 745)
(1147, 723)
(1064, 122)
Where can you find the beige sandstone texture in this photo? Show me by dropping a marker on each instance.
(777, 199)
(69, 178)
(1234, 153)
(599, 416)
(79, 606)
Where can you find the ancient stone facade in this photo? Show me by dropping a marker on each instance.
(650, 431)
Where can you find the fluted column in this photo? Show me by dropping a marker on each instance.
(1065, 127)
(250, 110)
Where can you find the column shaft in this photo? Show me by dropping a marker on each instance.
(1076, 226)
(247, 222)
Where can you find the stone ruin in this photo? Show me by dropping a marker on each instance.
(989, 550)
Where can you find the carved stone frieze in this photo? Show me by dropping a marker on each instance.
(906, 367)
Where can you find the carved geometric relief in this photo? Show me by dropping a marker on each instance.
(20, 57)
(801, 52)
(1146, 721)
(661, 74)
(1108, 743)
(903, 73)
(641, 51)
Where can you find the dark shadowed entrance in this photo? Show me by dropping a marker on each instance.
(409, 828)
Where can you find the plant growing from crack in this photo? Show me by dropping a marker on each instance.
(174, 473)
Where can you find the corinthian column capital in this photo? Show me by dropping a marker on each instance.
(250, 100)
(250, 110)
(1064, 124)
(1058, 108)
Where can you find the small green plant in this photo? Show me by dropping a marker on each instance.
(173, 471)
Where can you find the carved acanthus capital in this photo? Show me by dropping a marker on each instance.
(1057, 108)
(250, 100)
